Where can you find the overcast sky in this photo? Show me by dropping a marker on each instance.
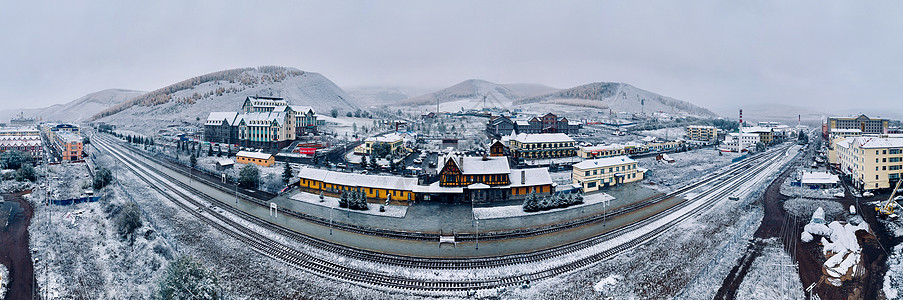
(715, 54)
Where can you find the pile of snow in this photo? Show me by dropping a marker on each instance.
(11, 186)
(805, 208)
(840, 245)
(607, 282)
(4, 280)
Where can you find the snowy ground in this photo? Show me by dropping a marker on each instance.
(688, 165)
(771, 276)
(510, 211)
(4, 281)
(802, 209)
(893, 279)
(394, 211)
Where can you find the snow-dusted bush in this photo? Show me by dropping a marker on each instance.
(803, 208)
(187, 278)
(129, 220)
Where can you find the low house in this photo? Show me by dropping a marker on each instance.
(819, 180)
(257, 158)
(224, 164)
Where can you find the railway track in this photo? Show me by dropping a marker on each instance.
(429, 262)
(277, 250)
(469, 237)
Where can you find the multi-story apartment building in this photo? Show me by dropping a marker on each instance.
(702, 133)
(69, 145)
(542, 145)
(594, 174)
(739, 142)
(268, 122)
(862, 122)
(221, 127)
(20, 131)
(30, 144)
(766, 134)
(549, 123)
(871, 162)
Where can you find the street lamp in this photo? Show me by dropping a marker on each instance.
(478, 235)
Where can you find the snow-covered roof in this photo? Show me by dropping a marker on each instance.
(478, 186)
(18, 143)
(258, 155)
(389, 138)
(360, 180)
(757, 129)
(217, 118)
(522, 123)
(543, 138)
(69, 137)
(872, 142)
(532, 177)
(604, 162)
(267, 117)
(603, 147)
(475, 165)
(819, 178)
(225, 162)
(701, 126)
(303, 109)
(19, 129)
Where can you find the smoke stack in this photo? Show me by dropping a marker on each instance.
(523, 177)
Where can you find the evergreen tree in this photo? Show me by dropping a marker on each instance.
(287, 174)
(364, 162)
(210, 150)
(530, 202)
(343, 199)
(193, 160)
(321, 196)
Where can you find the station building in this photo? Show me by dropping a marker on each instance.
(542, 145)
(595, 174)
(257, 158)
(461, 179)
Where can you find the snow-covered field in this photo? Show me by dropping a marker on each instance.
(688, 165)
(771, 276)
(394, 211)
(509, 211)
(802, 209)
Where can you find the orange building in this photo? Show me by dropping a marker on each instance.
(257, 158)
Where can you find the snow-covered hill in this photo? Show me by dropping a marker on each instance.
(382, 96)
(469, 94)
(190, 101)
(77, 110)
(618, 97)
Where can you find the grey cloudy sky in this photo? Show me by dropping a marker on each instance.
(712, 53)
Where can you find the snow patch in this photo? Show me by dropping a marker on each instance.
(603, 284)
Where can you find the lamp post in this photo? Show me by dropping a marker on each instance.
(331, 209)
(478, 235)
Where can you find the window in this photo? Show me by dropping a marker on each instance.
(876, 178)
(587, 173)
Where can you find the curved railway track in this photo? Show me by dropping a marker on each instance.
(326, 268)
(468, 237)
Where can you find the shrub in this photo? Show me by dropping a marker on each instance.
(187, 278)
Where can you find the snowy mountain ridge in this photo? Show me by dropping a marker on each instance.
(77, 110)
(190, 101)
(471, 92)
(618, 97)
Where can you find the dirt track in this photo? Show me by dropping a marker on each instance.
(15, 254)
(808, 256)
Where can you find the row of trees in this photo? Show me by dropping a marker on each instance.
(21, 163)
(353, 199)
(534, 203)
